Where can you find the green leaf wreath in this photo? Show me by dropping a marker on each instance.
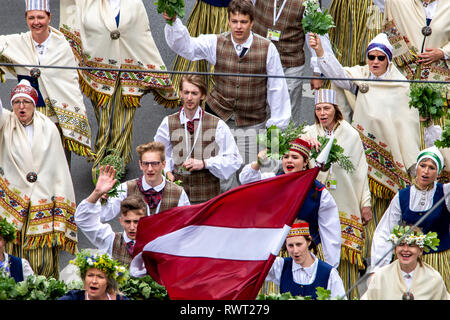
(336, 155)
(277, 141)
(171, 7)
(316, 21)
(429, 99)
(112, 159)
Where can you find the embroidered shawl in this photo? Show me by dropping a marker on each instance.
(49, 203)
(59, 88)
(90, 26)
(388, 127)
(403, 23)
(352, 191)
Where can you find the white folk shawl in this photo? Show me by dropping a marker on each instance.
(404, 20)
(387, 284)
(88, 25)
(388, 127)
(59, 88)
(352, 191)
(49, 203)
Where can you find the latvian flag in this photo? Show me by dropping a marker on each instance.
(223, 248)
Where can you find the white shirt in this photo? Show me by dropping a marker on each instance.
(26, 268)
(115, 6)
(306, 276)
(407, 278)
(101, 235)
(204, 47)
(112, 207)
(419, 201)
(42, 48)
(223, 165)
(329, 224)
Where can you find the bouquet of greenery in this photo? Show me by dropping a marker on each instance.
(316, 21)
(429, 99)
(144, 288)
(444, 142)
(171, 7)
(112, 159)
(322, 294)
(277, 141)
(336, 155)
(39, 288)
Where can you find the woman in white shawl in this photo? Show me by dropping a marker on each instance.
(408, 277)
(114, 34)
(388, 127)
(36, 191)
(350, 190)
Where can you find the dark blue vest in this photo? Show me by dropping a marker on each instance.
(438, 221)
(287, 283)
(310, 210)
(15, 268)
(218, 3)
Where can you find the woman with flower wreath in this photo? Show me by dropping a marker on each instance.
(410, 204)
(12, 266)
(319, 209)
(101, 276)
(408, 277)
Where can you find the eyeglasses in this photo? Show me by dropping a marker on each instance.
(18, 103)
(154, 164)
(372, 57)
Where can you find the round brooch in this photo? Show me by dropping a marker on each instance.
(115, 35)
(426, 31)
(35, 73)
(363, 88)
(31, 177)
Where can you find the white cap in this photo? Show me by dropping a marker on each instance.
(434, 154)
(43, 5)
(381, 43)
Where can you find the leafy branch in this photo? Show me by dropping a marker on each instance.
(429, 99)
(336, 155)
(112, 159)
(314, 20)
(171, 7)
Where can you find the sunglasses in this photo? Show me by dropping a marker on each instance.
(154, 164)
(372, 57)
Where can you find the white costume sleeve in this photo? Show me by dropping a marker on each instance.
(26, 268)
(229, 160)
(87, 218)
(332, 68)
(335, 285)
(184, 200)
(248, 174)
(162, 135)
(325, 40)
(330, 229)
(274, 274)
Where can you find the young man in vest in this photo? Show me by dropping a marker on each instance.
(118, 245)
(281, 22)
(12, 266)
(200, 149)
(159, 193)
(239, 101)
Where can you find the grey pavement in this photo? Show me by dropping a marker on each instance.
(147, 118)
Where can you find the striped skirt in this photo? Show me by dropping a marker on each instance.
(441, 262)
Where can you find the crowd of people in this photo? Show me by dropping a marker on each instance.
(351, 223)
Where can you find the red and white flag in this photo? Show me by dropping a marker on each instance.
(221, 249)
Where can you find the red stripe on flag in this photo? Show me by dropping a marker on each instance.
(233, 279)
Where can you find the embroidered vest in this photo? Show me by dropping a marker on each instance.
(292, 40)
(438, 221)
(245, 97)
(15, 268)
(170, 196)
(287, 283)
(199, 185)
(119, 250)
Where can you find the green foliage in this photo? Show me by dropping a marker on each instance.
(171, 7)
(7, 230)
(314, 20)
(112, 159)
(444, 142)
(39, 288)
(336, 155)
(144, 288)
(277, 141)
(322, 294)
(428, 99)
(7, 287)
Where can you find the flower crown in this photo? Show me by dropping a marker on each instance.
(7, 230)
(425, 241)
(112, 268)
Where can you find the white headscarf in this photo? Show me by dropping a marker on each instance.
(381, 43)
(434, 154)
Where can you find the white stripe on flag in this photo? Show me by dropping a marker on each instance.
(251, 244)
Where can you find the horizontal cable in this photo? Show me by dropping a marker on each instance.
(216, 74)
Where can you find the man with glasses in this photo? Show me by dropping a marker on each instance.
(158, 192)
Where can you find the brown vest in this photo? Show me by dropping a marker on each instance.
(199, 185)
(170, 196)
(290, 46)
(119, 250)
(245, 97)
